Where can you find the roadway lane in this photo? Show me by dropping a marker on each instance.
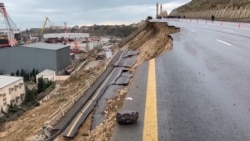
(137, 91)
(203, 86)
(233, 28)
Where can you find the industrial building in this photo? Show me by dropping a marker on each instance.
(40, 56)
(12, 92)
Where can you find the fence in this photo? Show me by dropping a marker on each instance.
(60, 78)
(55, 117)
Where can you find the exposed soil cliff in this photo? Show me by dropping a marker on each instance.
(229, 10)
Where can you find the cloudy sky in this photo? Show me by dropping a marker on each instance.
(32, 13)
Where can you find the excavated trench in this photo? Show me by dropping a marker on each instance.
(151, 41)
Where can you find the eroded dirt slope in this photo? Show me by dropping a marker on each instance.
(150, 42)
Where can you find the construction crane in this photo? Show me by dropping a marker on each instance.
(10, 35)
(42, 29)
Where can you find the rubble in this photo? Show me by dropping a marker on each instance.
(105, 129)
(127, 117)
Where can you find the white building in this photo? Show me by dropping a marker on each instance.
(66, 35)
(108, 51)
(47, 75)
(105, 40)
(84, 46)
(12, 91)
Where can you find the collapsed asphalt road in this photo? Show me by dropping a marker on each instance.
(115, 75)
(117, 81)
(202, 88)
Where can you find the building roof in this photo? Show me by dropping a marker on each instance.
(107, 46)
(7, 80)
(46, 46)
(66, 35)
(46, 72)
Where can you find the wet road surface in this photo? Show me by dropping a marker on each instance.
(202, 87)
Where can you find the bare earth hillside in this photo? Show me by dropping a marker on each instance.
(229, 10)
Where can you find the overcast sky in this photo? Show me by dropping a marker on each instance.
(32, 13)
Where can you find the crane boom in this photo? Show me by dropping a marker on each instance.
(45, 22)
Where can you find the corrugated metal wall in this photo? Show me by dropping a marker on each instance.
(27, 58)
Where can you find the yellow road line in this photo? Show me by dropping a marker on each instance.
(88, 104)
(150, 130)
(78, 118)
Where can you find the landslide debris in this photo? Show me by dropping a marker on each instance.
(104, 131)
(151, 41)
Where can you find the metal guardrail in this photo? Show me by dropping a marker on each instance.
(60, 112)
(55, 93)
(57, 115)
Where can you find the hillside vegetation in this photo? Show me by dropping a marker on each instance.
(231, 10)
(95, 30)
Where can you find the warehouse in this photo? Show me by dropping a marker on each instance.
(39, 56)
